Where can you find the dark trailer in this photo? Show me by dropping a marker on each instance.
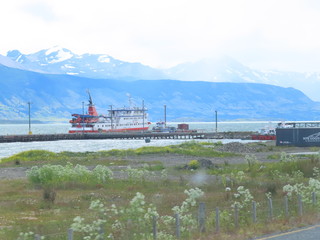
(300, 134)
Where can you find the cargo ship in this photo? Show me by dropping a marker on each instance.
(127, 119)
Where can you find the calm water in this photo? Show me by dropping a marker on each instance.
(8, 149)
(17, 129)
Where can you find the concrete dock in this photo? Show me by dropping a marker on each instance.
(125, 135)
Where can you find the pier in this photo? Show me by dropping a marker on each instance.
(124, 135)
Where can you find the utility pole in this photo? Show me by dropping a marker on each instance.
(82, 117)
(111, 115)
(165, 116)
(142, 115)
(29, 119)
(216, 121)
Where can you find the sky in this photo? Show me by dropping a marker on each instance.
(262, 34)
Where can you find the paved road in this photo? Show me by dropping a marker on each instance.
(308, 233)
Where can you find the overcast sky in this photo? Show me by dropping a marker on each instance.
(263, 34)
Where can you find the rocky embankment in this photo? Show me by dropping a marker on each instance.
(236, 147)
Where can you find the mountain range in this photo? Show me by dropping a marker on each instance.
(58, 60)
(55, 82)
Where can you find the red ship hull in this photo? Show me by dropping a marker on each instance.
(263, 137)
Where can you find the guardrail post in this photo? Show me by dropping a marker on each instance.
(217, 220)
(177, 225)
(201, 217)
(286, 207)
(270, 209)
(300, 205)
(236, 216)
(101, 232)
(314, 198)
(154, 227)
(254, 212)
(70, 234)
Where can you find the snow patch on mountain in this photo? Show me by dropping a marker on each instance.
(18, 59)
(53, 49)
(104, 59)
(59, 55)
(72, 73)
(68, 66)
(9, 63)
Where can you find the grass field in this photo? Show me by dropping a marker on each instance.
(60, 193)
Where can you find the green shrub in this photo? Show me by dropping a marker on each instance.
(275, 156)
(55, 175)
(153, 150)
(193, 164)
(31, 155)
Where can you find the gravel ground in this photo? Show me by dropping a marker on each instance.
(13, 172)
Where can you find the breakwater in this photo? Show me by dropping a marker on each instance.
(125, 135)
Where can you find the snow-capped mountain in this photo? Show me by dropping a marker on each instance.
(226, 69)
(58, 60)
(5, 61)
(222, 69)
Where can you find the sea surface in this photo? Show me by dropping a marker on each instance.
(18, 129)
(8, 149)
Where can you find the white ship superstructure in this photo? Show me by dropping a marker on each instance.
(117, 120)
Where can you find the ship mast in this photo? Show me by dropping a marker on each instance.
(90, 99)
(129, 99)
(91, 108)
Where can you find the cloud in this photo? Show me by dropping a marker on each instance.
(40, 10)
(164, 33)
